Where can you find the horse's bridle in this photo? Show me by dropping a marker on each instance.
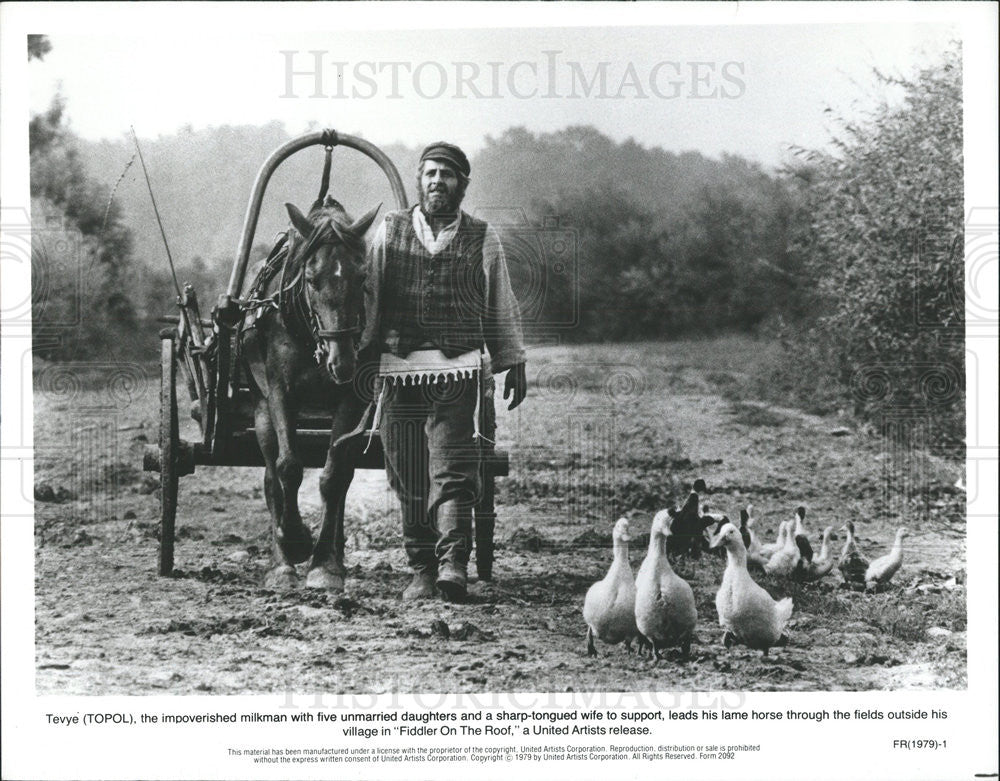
(291, 296)
(321, 335)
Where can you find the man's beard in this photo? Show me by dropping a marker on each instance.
(439, 202)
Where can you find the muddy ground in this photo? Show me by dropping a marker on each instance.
(605, 431)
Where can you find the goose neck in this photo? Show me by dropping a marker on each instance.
(736, 557)
(824, 550)
(657, 543)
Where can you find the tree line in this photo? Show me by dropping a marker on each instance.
(851, 255)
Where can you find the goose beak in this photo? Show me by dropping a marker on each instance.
(716, 541)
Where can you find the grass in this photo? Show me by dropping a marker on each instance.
(754, 415)
(893, 617)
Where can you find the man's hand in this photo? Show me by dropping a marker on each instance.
(516, 384)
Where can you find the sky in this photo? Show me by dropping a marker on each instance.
(747, 90)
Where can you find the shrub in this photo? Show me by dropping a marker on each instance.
(880, 234)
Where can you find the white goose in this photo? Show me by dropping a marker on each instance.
(767, 550)
(609, 607)
(821, 565)
(784, 561)
(755, 554)
(746, 611)
(665, 612)
(883, 568)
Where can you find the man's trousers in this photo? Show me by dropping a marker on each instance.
(432, 462)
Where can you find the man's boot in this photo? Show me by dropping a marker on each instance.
(452, 581)
(454, 520)
(421, 587)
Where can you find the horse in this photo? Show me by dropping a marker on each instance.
(298, 345)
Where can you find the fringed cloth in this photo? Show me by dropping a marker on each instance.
(422, 367)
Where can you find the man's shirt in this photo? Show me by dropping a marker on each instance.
(501, 319)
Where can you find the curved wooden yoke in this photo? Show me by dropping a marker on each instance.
(326, 138)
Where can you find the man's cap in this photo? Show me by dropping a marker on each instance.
(448, 153)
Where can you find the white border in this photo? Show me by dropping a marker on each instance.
(31, 750)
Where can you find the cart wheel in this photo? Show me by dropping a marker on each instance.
(169, 447)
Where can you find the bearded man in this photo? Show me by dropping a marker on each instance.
(437, 291)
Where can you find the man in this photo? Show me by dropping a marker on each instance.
(437, 292)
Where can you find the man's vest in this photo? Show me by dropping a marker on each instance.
(434, 299)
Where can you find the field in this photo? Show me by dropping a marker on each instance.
(605, 431)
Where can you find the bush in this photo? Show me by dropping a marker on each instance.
(86, 284)
(880, 236)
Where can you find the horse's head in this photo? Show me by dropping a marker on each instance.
(330, 254)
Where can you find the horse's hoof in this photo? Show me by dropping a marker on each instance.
(297, 546)
(281, 578)
(324, 579)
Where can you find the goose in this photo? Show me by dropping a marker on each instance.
(665, 612)
(746, 611)
(784, 561)
(745, 524)
(821, 565)
(609, 607)
(688, 535)
(881, 570)
(755, 556)
(767, 550)
(708, 518)
(852, 565)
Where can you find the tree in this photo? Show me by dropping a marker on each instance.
(81, 246)
(881, 239)
(667, 244)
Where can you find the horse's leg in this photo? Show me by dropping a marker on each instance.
(293, 542)
(348, 412)
(282, 575)
(326, 570)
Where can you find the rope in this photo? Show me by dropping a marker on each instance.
(330, 138)
(324, 184)
(358, 429)
(377, 417)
